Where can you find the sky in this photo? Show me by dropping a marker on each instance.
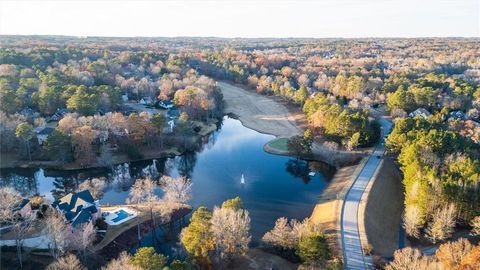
(242, 18)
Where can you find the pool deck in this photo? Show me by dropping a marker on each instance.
(143, 215)
(109, 219)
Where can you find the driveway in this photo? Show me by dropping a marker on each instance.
(352, 247)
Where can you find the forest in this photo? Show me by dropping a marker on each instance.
(106, 101)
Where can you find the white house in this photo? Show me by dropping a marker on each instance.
(420, 111)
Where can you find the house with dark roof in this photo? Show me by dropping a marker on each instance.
(457, 115)
(165, 104)
(58, 115)
(23, 208)
(78, 208)
(43, 133)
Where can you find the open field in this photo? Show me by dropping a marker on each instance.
(258, 112)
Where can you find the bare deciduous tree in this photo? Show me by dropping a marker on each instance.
(410, 258)
(231, 231)
(287, 235)
(21, 225)
(83, 237)
(122, 262)
(281, 235)
(9, 199)
(475, 223)
(58, 232)
(95, 186)
(68, 262)
(412, 221)
(442, 224)
(177, 190)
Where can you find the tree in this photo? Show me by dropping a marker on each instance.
(59, 146)
(180, 265)
(82, 139)
(142, 191)
(451, 254)
(412, 221)
(231, 231)
(281, 235)
(147, 259)
(197, 237)
(58, 232)
(95, 186)
(121, 262)
(442, 224)
(296, 146)
(10, 199)
(20, 229)
(235, 204)
(83, 237)
(8, 98)
(475, 223)
(314, 249)
(354, 141)
(301, 94)
(68, 262)
(471, 261)
(177, 190)
(24, 131)
(85, 100)
(158, 121)
(409, 259)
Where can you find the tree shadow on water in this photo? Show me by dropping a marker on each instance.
(299, 169)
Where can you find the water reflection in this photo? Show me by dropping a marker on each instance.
(271, 190)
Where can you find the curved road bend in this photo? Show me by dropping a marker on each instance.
(352, 248)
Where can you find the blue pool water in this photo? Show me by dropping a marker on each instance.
(274, 186)
(121, 214)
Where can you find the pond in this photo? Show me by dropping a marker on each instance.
(274, 186)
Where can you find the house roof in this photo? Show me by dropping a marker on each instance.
(21, 204)
(77, 207)
(46, 131)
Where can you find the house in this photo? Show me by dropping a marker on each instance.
(58, 115)
(145, 101)
(78, 208)
(23, 208)
(42, 134)
(420, 111)
(29, 113)
(457, 115)
(165, 104)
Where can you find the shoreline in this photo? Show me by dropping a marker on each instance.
(117, 159)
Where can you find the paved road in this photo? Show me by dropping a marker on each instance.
(352, 248)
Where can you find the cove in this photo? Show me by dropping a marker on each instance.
(275, 186)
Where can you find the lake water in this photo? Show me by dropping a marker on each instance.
(275, 186)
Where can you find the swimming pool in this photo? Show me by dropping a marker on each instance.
(121, 214)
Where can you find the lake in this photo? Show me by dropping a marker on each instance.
(275, 186)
